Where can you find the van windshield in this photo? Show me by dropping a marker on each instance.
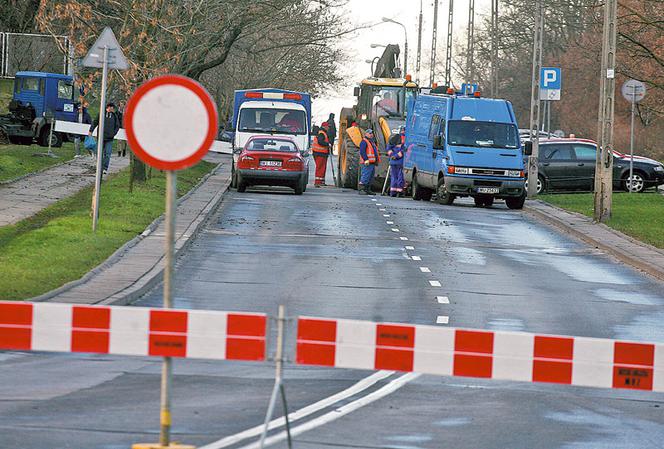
(482, 134)
(282, 121)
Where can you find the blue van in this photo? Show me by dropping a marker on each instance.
(459, 145)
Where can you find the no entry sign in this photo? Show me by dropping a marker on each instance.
(171, 122)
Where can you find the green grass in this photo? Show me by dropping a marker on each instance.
(57, 245)
(6, 87)
(639, 215)
(19, 160)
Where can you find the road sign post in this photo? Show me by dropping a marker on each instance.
(111, 58)
(171, 122)
(533, 160)
(633, 91)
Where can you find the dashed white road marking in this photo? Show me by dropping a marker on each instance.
(395, 230)
(386, 215)
(403, 238)
(435, 283)
(416, 257)
(425, 270)
(382, 210)
(378, 204)
(442, 319)
(389, 222)
(374, 199)
(443, 299)
(410, 248)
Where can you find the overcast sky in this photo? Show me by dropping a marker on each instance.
(406, 12)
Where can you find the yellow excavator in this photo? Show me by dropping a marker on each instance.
(382, 105)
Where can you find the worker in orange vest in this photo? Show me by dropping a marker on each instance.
(369, 158)
(321, 151)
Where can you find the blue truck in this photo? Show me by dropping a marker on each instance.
(38, 98)
(275, 112)
(460, 145)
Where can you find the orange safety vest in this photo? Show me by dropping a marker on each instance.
(373, 156)
(319, 149)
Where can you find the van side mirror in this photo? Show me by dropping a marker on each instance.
(439, 142)
(356, 91)
(528, 148)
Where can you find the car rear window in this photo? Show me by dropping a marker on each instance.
(271, 145)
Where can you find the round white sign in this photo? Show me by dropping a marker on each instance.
(171, 122)
(633, 90)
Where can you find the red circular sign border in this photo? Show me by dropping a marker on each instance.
(210, 108)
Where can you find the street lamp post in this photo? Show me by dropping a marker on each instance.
(405, 52)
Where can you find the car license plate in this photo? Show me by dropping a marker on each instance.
(488, 190)
(270, 163)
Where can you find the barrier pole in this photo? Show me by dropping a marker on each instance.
(167, 368)
(278, 385)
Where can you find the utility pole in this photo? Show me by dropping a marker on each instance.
(604, 162)
(533, 160)
(419, 47)
(433, 43)
(470, 75)
(494, 48)
(448, 52)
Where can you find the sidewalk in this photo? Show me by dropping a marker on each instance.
(626, 249)
(27, 196)
(138, 266)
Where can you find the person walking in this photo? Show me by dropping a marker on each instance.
(82, 116)
(395, 152)
(332, 133)
(369, 158)
(122, 144)
(321, 151)
(111, 127)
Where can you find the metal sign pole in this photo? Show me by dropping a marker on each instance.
(100, 140)
(631, 142)
(533, 160)
(167, 369)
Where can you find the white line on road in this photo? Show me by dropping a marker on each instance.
(386, 215)
(442, 319)
(443, 299)
(410, 248)
(435, 283)
(425, 270)
(389, 222)
(403, 238)
(374, 199)
(303, 412)
(378, 204)
(382, 210)
(416, 257)
(395, 230)
(339, 412)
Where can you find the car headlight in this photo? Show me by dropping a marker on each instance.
(659, 168)
(515, 173)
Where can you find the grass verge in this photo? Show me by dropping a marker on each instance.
(57, 245)
(19, 160)
(639, 215)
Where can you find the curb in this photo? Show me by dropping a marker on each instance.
(625, 257)
(155, 274)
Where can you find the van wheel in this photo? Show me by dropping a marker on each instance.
(415, 189)
(56, 138)
(444, 197)
(516, 202)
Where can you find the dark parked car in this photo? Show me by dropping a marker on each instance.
(569, 164)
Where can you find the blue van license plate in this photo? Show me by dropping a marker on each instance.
(488, 190)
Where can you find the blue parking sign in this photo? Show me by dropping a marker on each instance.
(550, 78)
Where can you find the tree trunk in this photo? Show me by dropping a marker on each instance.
(137, 171)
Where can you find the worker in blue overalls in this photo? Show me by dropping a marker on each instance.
(395, 151)
(369, 158)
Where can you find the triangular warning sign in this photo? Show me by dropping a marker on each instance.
(95, 56)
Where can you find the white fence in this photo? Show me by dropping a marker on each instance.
(35, 52)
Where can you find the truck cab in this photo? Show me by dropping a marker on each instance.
(275, 112)
(463, 145)
(38, 98)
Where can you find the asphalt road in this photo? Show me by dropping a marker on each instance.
(333, 253)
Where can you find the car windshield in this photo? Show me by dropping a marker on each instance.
(282, 121)
(271, 145)
(482, 134)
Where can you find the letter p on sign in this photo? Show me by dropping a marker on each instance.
(550, 78)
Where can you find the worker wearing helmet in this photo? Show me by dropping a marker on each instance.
(369, 158)
(321, 150)
(395, 151)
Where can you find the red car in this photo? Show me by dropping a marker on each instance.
(272, 161)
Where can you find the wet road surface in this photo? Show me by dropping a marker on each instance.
(336, 254)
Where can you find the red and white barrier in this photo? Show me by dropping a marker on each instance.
(135, 331)
(591, 362)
